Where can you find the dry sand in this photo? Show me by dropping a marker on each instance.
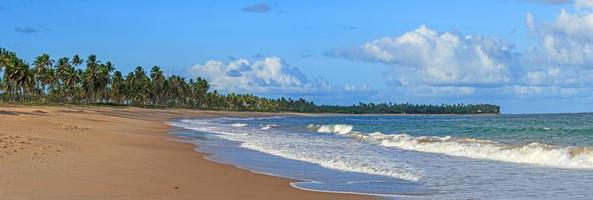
(119, 153)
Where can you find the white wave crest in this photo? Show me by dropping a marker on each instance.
(533, 153)
(331, 128)
(336, 163)
(305, 149)
(238, 125)
(268, 126)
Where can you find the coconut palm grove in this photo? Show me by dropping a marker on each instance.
(89, 81)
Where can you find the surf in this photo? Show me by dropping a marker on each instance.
(534, 153)
(331, 128)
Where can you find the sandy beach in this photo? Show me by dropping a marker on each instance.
(119, 153)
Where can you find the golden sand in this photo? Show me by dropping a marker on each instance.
(119, 153)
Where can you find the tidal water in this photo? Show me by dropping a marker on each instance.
(547, 156)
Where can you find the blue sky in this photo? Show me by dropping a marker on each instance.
(525, 55)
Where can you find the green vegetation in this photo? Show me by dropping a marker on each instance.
(77, 81)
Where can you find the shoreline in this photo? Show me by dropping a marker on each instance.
(74, 152)
(292, 181)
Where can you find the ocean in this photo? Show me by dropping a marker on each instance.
(535, 156)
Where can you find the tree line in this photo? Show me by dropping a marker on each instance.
(74, 80)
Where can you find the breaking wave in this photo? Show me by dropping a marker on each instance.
(268, 126)
(532, 153)
(238, 125)
(331, 128)
(296, 148)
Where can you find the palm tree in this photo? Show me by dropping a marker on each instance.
(4, 58)
(80, 85)
(202, 90)
(103, 80)
(24, 81)
(90, 80)
(118, 88)
(157, 85)
(64, 76)
(76, 61)
(138, 83)
(51, 83)
(16, 73)
(77, 79)
(42, 66)
(8, 65)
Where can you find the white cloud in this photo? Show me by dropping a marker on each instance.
(560, 65)
(428, 63)
(269, 76)
(573, 24)
(567, 40)
(434, 58)
(563, 58)
(439, 91)
(557, 76)
(547, 91)
(356, 88)
(583, 4)
(530, 21)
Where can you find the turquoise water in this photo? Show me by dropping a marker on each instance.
(433, 157)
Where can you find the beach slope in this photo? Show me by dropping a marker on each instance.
(119, 153)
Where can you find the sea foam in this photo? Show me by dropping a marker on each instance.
(304, 148)
(336, 162)
(532, 153)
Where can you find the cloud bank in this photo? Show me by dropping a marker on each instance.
(271, 76)
(564, 54)
(429, 63)
(583, 4)
(445, 66)
(432, 58)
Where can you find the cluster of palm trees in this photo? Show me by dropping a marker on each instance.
(89, 81)
(77, 81)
